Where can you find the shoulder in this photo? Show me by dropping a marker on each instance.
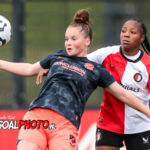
(100, 54)
(110, 49)
(58, 52)
(47, 61)
(96, 65)
(146, 60)
(55, 54)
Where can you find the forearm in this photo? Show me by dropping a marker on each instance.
(128, 98)
(19, 68)
(135, 103)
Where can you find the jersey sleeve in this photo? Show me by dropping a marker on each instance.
(47, 61)
(106, 78)
(148, 84)
(99, 55)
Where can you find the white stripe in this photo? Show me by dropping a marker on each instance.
(135, 120)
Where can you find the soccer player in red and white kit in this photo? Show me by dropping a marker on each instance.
(130, 66)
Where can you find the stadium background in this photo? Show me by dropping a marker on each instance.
(43, 28)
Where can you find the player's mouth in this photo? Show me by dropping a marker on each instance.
(125, 42)
(69, 49)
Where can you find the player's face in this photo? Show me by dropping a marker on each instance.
(131, 37)
(76, 43)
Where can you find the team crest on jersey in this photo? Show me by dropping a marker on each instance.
(89, 66)
(137, 77)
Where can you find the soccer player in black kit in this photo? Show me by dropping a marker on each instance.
(70, 81)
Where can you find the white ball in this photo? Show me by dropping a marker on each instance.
(5, 31)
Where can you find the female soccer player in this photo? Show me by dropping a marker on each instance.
(70, 81)
(130, 66)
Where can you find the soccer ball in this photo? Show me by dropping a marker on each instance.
(5, 31)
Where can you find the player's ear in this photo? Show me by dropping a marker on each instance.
(142, 38)
(88, 41)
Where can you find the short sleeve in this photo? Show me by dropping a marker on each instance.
(106, 78)
(100, 54)
(47, 61)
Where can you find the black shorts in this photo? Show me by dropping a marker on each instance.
(139, 141)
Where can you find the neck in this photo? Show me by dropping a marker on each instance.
(130, 52)
(83, 54)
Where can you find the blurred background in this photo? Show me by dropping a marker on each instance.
(38, 30)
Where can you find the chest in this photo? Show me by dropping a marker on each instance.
(126, 72)
(80, 72)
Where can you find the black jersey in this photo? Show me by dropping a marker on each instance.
(69, 83)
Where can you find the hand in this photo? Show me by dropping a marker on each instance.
(40, 75)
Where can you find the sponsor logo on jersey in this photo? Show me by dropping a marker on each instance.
(137, 77)
(70, 67)
(129, 88)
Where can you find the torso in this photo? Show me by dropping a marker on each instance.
(69, 83)
(134, 77)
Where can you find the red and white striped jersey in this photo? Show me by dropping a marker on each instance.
(133, 75)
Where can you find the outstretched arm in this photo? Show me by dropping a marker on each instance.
(40, 75)
(126, 97)
(19, 68)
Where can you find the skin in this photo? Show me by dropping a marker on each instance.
(27, 145)
(131, 37)
(75, 42)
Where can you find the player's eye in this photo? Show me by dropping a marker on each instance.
(123, 31)
(66, 39)
(133, 32)
(74, 38)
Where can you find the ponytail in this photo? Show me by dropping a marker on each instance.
(146, 45)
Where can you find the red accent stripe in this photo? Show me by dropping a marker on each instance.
(113, 111)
